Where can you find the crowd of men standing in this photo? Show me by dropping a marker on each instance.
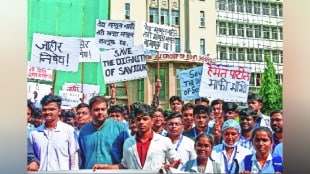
(198, 137)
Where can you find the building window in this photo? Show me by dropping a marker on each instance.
(280, 10)
(281, 33)
(281, 56)
(164, 16)
(154, 15)
(177, 45)
(279, 78)
(258, 79)
(266, 8)
(127, 11)
(175, 17)
(274, 33)
(240, 6)
(162, 73)
(222, 5)
(273, 9)
(202, 18)
(248, 6)
(141, 90)
(256, 7)
(231, 5)
(275, 56)
(241, 55)
(259, 55)
(252, 81)
(241, 30)
(222, 28)
(249, 31)
(266, 32)
(250, 55)
(223, 53)
(232, 54)
(257, 29)
(202, 47)
(231, 29)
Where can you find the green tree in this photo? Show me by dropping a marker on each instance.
(271, 90)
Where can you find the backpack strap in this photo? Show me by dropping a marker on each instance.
(248, 162)
(277, 164)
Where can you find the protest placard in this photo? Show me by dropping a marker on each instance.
(124, 64)
(89, 50)
(229, 83)
(114, 33)
(39, 73)
(89, 90)
(41, 89)
(70, 98)
(55, 52)
(190, 82)
(158, 37)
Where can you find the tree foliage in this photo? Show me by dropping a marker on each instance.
(271, 90)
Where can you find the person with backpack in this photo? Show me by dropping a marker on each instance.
(204, 163)
(262, 160)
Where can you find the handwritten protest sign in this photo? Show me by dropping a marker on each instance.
(42, 90)
(230, 83)
(114, 33)
(55, 52)
(124, 64)
(39, 73)
(190, 82)
(89, 50)
(89, 90)
(69, 98)
(158, 37)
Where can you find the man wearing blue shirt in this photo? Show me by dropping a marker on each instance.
(101, 140)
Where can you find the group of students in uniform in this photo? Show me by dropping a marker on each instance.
(191, 137)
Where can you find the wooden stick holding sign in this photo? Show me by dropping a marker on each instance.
(113, 94)
(128, 101)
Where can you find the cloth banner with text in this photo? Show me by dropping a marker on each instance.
(124, 64)
(190, 82)
(229, 83)
(89, 90)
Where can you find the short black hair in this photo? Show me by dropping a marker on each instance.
(201, 109)
(255, 96)
(82, 105)
(202, 99)
(116, 108)
(230, 106)
(143, 109)
(173, 98)
(174, 115)
(51, 98)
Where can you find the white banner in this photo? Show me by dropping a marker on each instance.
(114, 33)
(39, 73)
(42, 90)
(70, 98)
(89, 91)
(158, 37)
(124, 64)
(229, 83)
(89, 50)
(55, 52)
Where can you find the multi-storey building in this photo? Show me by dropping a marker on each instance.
(236, 32)
(248, 31)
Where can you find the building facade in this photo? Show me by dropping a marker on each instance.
(236, 32)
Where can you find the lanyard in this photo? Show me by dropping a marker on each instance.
(226, 161)
(179, 142)
(195, 131)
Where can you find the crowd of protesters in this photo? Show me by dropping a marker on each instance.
(195, 137)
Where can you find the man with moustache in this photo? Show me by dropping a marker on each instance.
(182, 144)
(54, 143)
(101, 140)
(247, 122)
(146, 150)
(82, 115)
(276, 123)
(201, 119)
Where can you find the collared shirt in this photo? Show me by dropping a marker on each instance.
(194, 168)
(278, 150)
(103, 146)
(246, 143)
(257, 168)
(143, 147)
(219, 155)
(185, 148)
(160, 151)
(262, 120)
(275, 141)
(56, 148)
